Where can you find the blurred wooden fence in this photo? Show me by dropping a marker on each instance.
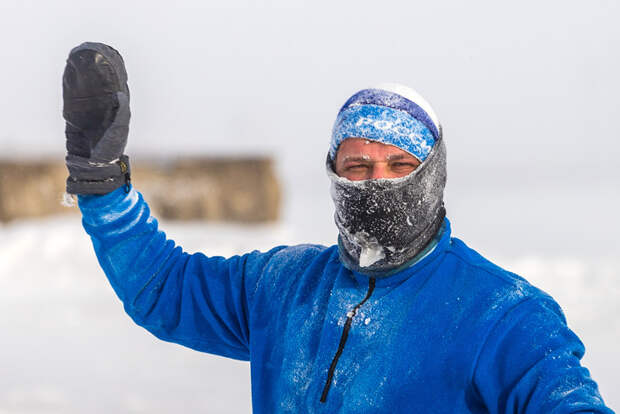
(217, 189)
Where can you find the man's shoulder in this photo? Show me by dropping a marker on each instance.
(471, 264)
(487, 291)
(300, 253)
(283, 268)
(298, 257)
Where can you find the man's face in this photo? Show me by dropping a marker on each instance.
(361, 159)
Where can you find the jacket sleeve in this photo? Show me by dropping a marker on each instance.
(530, 364)
(190, 299)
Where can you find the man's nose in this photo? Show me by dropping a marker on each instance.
(379, 170)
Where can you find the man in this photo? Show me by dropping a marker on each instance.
(399, 317)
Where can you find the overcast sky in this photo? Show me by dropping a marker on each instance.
(526, 91)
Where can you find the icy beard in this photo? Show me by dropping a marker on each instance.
(385, 223)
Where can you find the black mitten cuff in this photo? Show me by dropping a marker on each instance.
(89, 177)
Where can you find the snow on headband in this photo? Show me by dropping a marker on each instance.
(391, 114)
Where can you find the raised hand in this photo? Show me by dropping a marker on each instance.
(96, 111)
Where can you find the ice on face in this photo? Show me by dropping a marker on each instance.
(370, 255)
(370, 249)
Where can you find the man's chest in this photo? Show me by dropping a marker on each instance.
(354, 352)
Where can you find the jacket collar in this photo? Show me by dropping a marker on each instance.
(418, 264)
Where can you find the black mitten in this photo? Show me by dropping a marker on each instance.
(96, 111)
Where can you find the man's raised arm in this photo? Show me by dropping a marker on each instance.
(193, 300)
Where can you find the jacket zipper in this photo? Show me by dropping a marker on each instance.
(343, 339)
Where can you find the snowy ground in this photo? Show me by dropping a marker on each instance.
(68, 347)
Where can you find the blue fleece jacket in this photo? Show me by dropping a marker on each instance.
(451, 334)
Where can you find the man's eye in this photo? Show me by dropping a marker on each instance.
(356, 167)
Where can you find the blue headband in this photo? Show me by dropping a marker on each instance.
(386, 117)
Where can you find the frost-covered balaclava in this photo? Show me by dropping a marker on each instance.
(385, 223)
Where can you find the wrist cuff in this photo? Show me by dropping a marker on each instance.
(89, 177)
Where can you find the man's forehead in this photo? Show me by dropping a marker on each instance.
(352, 148)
